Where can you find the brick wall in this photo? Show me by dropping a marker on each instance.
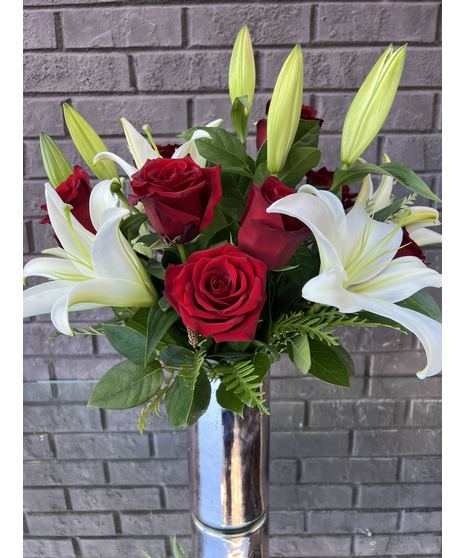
(354, 472)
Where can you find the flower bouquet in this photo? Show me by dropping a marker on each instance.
(216, 263)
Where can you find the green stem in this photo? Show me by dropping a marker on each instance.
(182, 252)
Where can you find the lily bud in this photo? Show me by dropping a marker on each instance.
(242, 70)
(422, 215)
(56, 165)
(371, 104)
(88, 143)
(284, 111)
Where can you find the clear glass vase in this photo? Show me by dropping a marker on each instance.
(228, 476)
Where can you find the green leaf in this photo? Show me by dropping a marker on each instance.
(229, 400)
(218, 155)
(127, 341)
(176, 549)
(158, 323)
(308, 134)
(127, 385)
(399, 171)
(391, 209)
(55, 163)
(332, 364)
(185, 403)
(175, 356)
(239, 117)
(299, 352)
(423, 302)
(261, 173)
(88, 143)
(156, 269)
(131, 225)
(299, 161)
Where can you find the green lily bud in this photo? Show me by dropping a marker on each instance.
(371, 104)
(242, 70)
(88, 143)
(284, 111)
(56, 165)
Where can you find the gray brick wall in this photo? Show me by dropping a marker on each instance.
(353, 472)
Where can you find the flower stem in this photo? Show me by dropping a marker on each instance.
(182, 252)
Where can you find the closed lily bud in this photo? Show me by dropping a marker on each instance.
(371, 104)
(88, 143)
(242, 70)
(56, 165)
(284, 111)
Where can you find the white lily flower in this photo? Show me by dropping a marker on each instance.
(142, 151)
(358, 270)
(415, 219)
(89, 271)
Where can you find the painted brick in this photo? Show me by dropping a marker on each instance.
(35, 368)
(397, 364)
(273, 24)
(287, 415)
(418, 521)
(103, 499)
(74, 391)
(421, 469)
(365, 22)
(397, 442)
(422, 152)
(331, 151)
(309, 496)
(156, 523)
(63, 73)
(398, 545)
(283, 471)
(63, 473)
(36, 446)
(351, 522)
(312, 388)
(306, 444)
(42, 115)
(82, 368)
(177, 497)
(109, 548)
(148, 472)
(165, 71)
(36, 393)
(286, 522)
(306, 547)
(39, 30)
(61, 418)
(355, 413)
(125, 27)
(48, 548)
(44, 499)
(426, 412)
(101, 446)
(354, 469)
(171, 444)
(36, 341)
(166, 115)
(410, 111)
(71, 524)
(400, 496)
(400, 387)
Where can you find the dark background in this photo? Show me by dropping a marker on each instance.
(354, 472)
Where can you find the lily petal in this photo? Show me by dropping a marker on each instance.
(428, 331)
(53, 268)
(215, 123)
(128, 169)
(400, 279)
(327, 288)
(140, 148)
(101, 199)
(40, 298)
(424, 237)
(382, 197)
(318, 217)
(366, 191)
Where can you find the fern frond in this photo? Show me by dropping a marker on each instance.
(241, 379)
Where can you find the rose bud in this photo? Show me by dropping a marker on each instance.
(179, 196)
(218, 293)
(321, 179)
(273, 238)
(75, 191)
(166, 151)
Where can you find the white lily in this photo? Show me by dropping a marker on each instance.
(142, 151)
(89, 271)
(416, 219)
(358, 270)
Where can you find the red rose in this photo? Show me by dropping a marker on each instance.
(218, 293)
(75, 190)
(409, 247)
(167, 150)
(308, 112)
(270, 237)
(179, 196)
(322, 178)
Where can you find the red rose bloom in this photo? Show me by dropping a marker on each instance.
(271, 237)
(308, 112)
(75, 190)
(179, 196)
(321, 179)
(409, 247)
(166, 151)
(218, 293)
